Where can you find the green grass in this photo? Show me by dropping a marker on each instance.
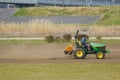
(60, 71)
(42, 11)
(17, 42)
(110, 15)
(38, 42)
(27, 42)
(58, 11)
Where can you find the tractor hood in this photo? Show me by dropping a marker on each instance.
(97, 44)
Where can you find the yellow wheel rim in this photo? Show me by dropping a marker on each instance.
(100, 55)
(79, 53)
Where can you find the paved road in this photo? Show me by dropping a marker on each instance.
(58, 19)
(6, 16)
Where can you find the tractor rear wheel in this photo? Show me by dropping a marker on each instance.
(79, 54)
(100, 55)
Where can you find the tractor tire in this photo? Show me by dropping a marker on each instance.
(100, 55)
(79, 54)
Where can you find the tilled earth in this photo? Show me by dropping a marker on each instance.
(51, 53)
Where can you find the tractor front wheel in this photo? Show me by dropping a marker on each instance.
(79, 54)
(100, 55)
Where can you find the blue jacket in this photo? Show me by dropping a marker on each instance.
(83, 41)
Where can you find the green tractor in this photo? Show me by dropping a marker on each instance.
(80, 51)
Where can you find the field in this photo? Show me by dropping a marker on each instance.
(41, 50)
(39, 60)
(43, 61)
(60, 71)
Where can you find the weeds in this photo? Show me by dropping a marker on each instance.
(46, 28)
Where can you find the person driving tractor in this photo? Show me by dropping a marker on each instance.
(84, 42)
(82, 48)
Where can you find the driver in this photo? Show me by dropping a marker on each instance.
(84, 42)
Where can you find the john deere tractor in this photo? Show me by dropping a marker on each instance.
(80, 51)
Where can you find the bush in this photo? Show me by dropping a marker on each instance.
(67, 37)
(82, 35)
(49, 38)
(99, 37)
(57, 39)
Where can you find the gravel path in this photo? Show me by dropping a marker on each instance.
(6, 16)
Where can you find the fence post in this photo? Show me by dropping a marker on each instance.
(90, 2)
(8, 5)
(37, 3)
(63, 3)
(86, 2)
(112, 2)
(54, 2)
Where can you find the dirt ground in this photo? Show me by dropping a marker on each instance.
(50, 53)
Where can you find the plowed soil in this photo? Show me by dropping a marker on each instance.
(50, 53)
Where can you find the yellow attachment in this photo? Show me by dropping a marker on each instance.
(79, 53)
(69, 48)
(100, 55)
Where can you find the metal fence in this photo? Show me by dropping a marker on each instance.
(80, 2)
(64, 2)
(19, 1)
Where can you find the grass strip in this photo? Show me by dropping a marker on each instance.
(60, 71)
(110, 15)
(38, 42)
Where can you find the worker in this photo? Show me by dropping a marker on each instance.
(84, 42)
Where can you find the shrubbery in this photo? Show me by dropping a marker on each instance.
(49, 38)
(99, 37)
(57, 39)
(67, 37)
